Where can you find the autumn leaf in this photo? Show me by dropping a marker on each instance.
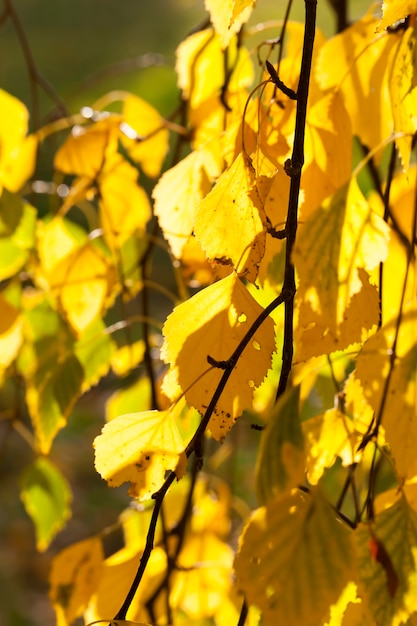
(11, 333)
(395, 10)
(228, 16)
(17, 151)
(75, 574)
(403, 91)
(335, 249)
(139, 448)
(230, 221)
(213, 323)
(389, 386)
(387, 559)
(17, 233)
(282, 570)
(46, 496)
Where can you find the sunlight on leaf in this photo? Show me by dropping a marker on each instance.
(11, 333)
(289, 576)
(228, 16)
(139, 448)
(230, 224)
(212, 323)
(392, 388)
(17, 233)
(46, 496)
(403, 91)
(394, 10)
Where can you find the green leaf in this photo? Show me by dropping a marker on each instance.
(94, 351)
(17, 233)
(281, 459)
(46, 496)
(294, 559)
(387, 556)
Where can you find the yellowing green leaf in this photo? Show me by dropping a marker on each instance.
(75, 574)
(46, 495)
(361, 74)
(230, 224)
(281, 459)
(394, 10)
(139, 448)
(151, 145)
(51, 394)
(136, 397)
(335, 249)
(212, 323)
(294, 559)
(387, 560)
(83, 281)
(403, 91)
(124, 205)
(17, 233)
(85, 151)
(228, 16)
(177, 196)
(17, 152)
(94, 350)
(391, 388)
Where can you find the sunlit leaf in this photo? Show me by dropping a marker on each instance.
(177, 196)
(17, 152)
(11, 333)
(75, 574)
(281, 460)
(136, 397)
(150, 146)
(361, 74)
(17, 233)
(46, 495)
(124, 205)
(203, 580)
(94, 350)
(387, 559)
(228, 16)
(394, 10)
(230, 224)
(139, 448)
(294, 559)
(390, 386)
(403, 91)
(85, 150)
(213, 323)
(335, 249)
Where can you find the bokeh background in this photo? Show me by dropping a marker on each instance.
(85, 48)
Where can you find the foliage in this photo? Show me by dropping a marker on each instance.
(294, 305)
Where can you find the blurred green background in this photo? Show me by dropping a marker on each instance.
(85, 48)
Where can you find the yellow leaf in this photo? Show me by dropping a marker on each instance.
(57, 238)
(177, 196)
(151, 145)
(327, 437)
(335, 249)
(75, 574)
(17, 152)
(403, 91)
(11, 333)
(139, 448)
(228, 16)
(387, 560)
(212, 323)
(85, 150)
(124, 205)
(291, 577)
(361, 75)
(394, 10)
(392, 389)
(230, 223)
(203, 580)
